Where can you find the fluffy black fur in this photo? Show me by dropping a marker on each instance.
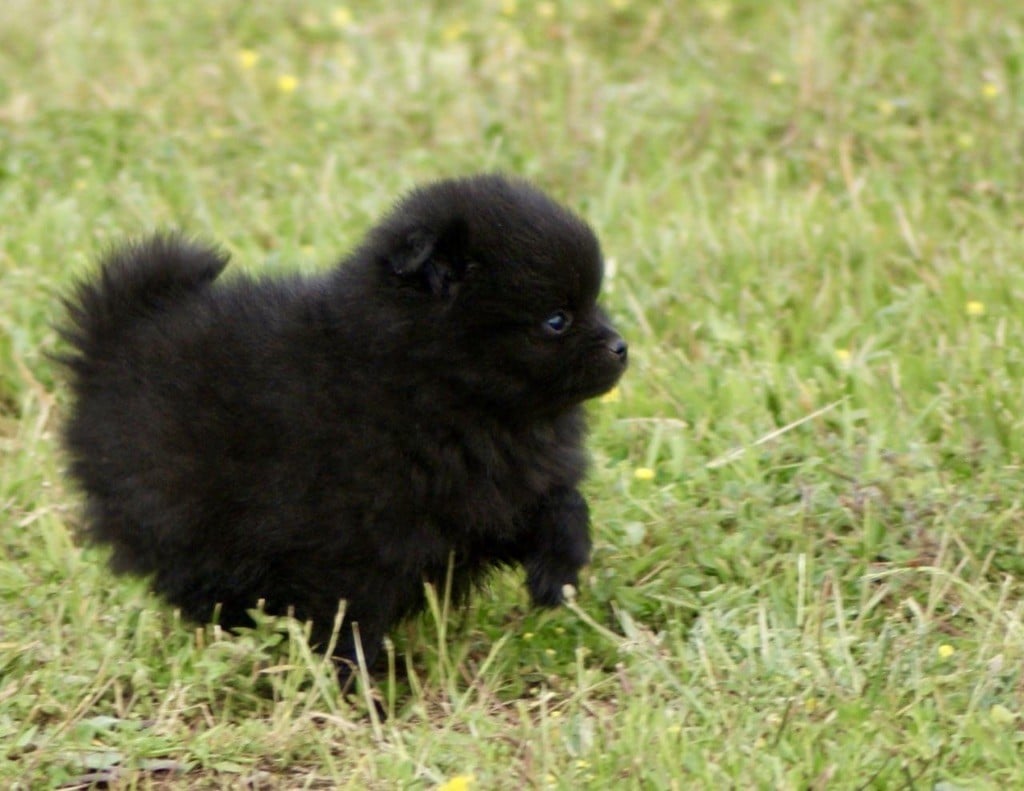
(308, 440)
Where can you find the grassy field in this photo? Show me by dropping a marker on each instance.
(807, 495)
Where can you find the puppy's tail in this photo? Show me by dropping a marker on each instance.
(136, 280)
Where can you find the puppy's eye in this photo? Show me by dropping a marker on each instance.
(558, 322)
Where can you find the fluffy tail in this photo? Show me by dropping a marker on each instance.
(136, 280)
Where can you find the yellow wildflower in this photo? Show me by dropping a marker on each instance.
(776, 77)
(613, 396)
(843, 355)
(643, 474)
(454, 31)
(546, 10)
(287, 83)
(457, 783)
(946, 651)
(990, 90)
(975, 308)
(341, 17)
(247, 58)
(718, 12)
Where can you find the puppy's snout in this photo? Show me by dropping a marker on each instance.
(618, 347)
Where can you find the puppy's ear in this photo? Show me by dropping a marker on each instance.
(434, 261)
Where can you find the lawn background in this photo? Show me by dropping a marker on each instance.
(806, 494)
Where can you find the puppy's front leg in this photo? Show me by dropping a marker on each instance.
(346, 658)
(556, 545)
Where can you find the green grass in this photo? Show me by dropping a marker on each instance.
(801, 199)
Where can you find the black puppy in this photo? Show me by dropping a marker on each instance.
(305, 441)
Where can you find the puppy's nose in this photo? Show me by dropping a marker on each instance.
(618, 347)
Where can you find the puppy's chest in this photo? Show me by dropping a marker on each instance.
(486, 477)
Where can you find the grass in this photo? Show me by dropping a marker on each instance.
(810, 206)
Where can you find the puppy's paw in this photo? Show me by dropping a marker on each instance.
(547, 583)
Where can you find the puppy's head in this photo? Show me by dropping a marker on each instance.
(500, 285)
